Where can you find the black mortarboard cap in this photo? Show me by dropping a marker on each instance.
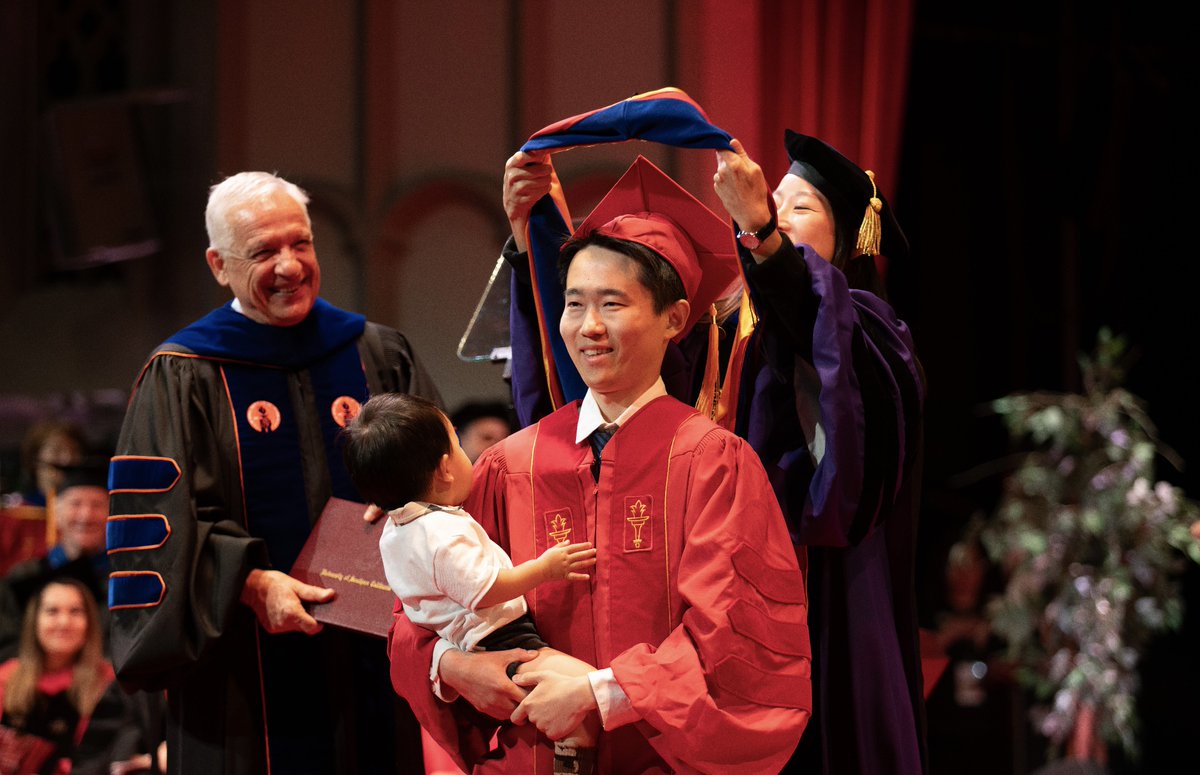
(850, 191)
(86, 473)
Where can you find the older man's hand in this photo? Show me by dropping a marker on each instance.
(278, 601)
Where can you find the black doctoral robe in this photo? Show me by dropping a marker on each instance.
(226, 458)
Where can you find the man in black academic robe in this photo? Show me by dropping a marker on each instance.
(226, 458)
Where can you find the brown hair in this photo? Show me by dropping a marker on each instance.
(90, 678)
(36, 438)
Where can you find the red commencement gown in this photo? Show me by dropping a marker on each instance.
(696, 602)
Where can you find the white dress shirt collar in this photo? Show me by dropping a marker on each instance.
(590, 417)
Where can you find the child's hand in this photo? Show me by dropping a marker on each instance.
(566, 561)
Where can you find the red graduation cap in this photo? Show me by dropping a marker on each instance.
(648, 207)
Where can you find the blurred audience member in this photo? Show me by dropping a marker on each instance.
(80, 509)
(975, 711)
(480, 424)
(24, 529)
(962, 626)
(61, 709)
(46, 449)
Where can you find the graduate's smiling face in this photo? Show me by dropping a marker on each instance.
(272, 268)
(805, 215)
(609, 324)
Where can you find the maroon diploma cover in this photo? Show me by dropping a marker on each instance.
(342, 553)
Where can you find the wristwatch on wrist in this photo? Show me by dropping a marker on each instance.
(750, 240)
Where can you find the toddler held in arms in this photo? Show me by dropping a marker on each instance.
(451, 578)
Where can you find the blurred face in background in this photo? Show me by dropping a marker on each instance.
(81, 513)
(62, 624)
(481, 433)
(59, 449)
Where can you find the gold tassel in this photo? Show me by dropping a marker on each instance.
(710, 391)
(727, 399)
(869, 232)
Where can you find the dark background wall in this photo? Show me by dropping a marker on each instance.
(1048, 173)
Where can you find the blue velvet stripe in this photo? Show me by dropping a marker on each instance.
(229, 335)
(272, 469)
(136, 589)
(547, 232)
(273, 463)
(341, 374)
(142, 474)
(136, 532)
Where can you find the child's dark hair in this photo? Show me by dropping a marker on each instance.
(392, 448)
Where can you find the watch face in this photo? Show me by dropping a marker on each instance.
(749, 240)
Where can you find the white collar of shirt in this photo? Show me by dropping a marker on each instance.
(237, 306)
(414, 509)
(591, 419)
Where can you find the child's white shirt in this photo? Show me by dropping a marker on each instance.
(440, 562)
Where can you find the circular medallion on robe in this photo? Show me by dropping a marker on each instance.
(344, 409)
(263, 416)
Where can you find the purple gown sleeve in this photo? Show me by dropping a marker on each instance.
(848, 351)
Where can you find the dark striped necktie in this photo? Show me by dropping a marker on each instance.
(598, 439)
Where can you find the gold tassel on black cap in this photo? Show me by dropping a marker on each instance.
(869, 232)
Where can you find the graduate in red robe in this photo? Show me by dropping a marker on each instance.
(695, 616)
(827, 389)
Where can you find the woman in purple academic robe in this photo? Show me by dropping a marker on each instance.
(832, 401)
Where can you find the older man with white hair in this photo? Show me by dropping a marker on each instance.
(224, 463)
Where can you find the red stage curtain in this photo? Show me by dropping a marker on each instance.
(839, 72)
(833, 69)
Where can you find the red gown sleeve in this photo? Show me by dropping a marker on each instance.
(729, 689)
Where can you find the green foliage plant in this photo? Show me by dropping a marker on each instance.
(1092, 544)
